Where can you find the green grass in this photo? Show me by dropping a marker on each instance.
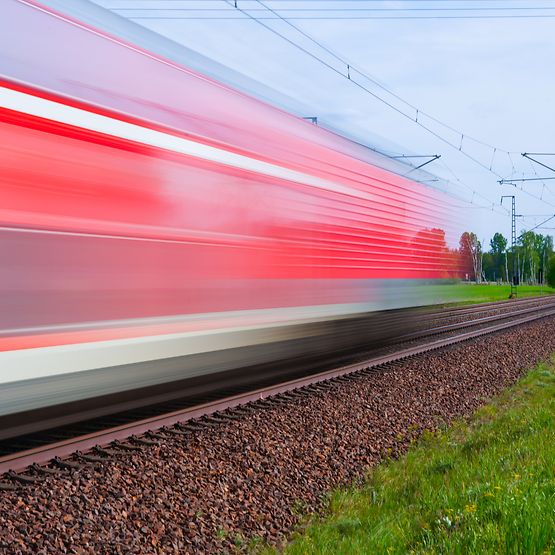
(486, 485)
(468, 293)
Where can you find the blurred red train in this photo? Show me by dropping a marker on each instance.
(156, 225)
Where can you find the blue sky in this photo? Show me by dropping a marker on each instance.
(489, 78)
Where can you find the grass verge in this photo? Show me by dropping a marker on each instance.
(486, 485)
(469, 293)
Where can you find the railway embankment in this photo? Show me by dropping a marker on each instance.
(231, 485)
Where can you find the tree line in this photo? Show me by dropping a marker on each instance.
(531, 261)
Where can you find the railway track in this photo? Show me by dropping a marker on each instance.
(34, 456)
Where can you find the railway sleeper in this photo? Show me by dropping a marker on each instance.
(278, 400)
(124, 446)
(223, 418)
(179, 429)
(292, 395)
(176, 432)
(371, 370)
(266, 403)
(44, 469)
(90, 458)
(67, 464)
(199, 425)
(104, 452)
(243, 410)
(215, 419)
(233, 415)
(298, 393)
(321, 387)
(312, 389)
(22, 478)
(342, 379)
(155, 435)
(143, 440)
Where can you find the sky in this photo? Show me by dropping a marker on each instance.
(489, 78)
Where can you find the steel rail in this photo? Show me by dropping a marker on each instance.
(450, 311)
(16, 462)
(471, 323)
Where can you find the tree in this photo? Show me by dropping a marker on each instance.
(529, 257)
(546, 251)
(548, 245)
(470, 250)
(551, 271)
(530, 260)
(498, 246)
(532, 253)
(489, 267)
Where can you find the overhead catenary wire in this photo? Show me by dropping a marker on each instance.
(349, 9)
(513, 173)
(436, 11)
(361, 86)
(355, 17)
(532, 195)
(491, 205)
(349, 71)
(544, 185)
(417, 110)
(350, 67)
(337, 1)
(544, 222)
(514, 180)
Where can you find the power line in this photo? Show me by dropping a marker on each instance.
(326, 10)
(373, 80)
(241, 3)
(348, 74)
(472, 190)
(512, 180)
(417, 110)
(544, 222)
(350, 18)
(350, 68)
(544, 186)
(334, 1)
(532, 195)
(350, 78)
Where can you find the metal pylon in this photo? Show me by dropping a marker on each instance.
(514, 279)
(513, 245)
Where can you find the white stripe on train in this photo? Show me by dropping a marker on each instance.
(48, 109)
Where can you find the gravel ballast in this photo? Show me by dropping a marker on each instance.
(252, 477)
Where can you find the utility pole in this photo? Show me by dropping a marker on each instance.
(514, 281)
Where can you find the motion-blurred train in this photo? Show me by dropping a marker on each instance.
(158, 226)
